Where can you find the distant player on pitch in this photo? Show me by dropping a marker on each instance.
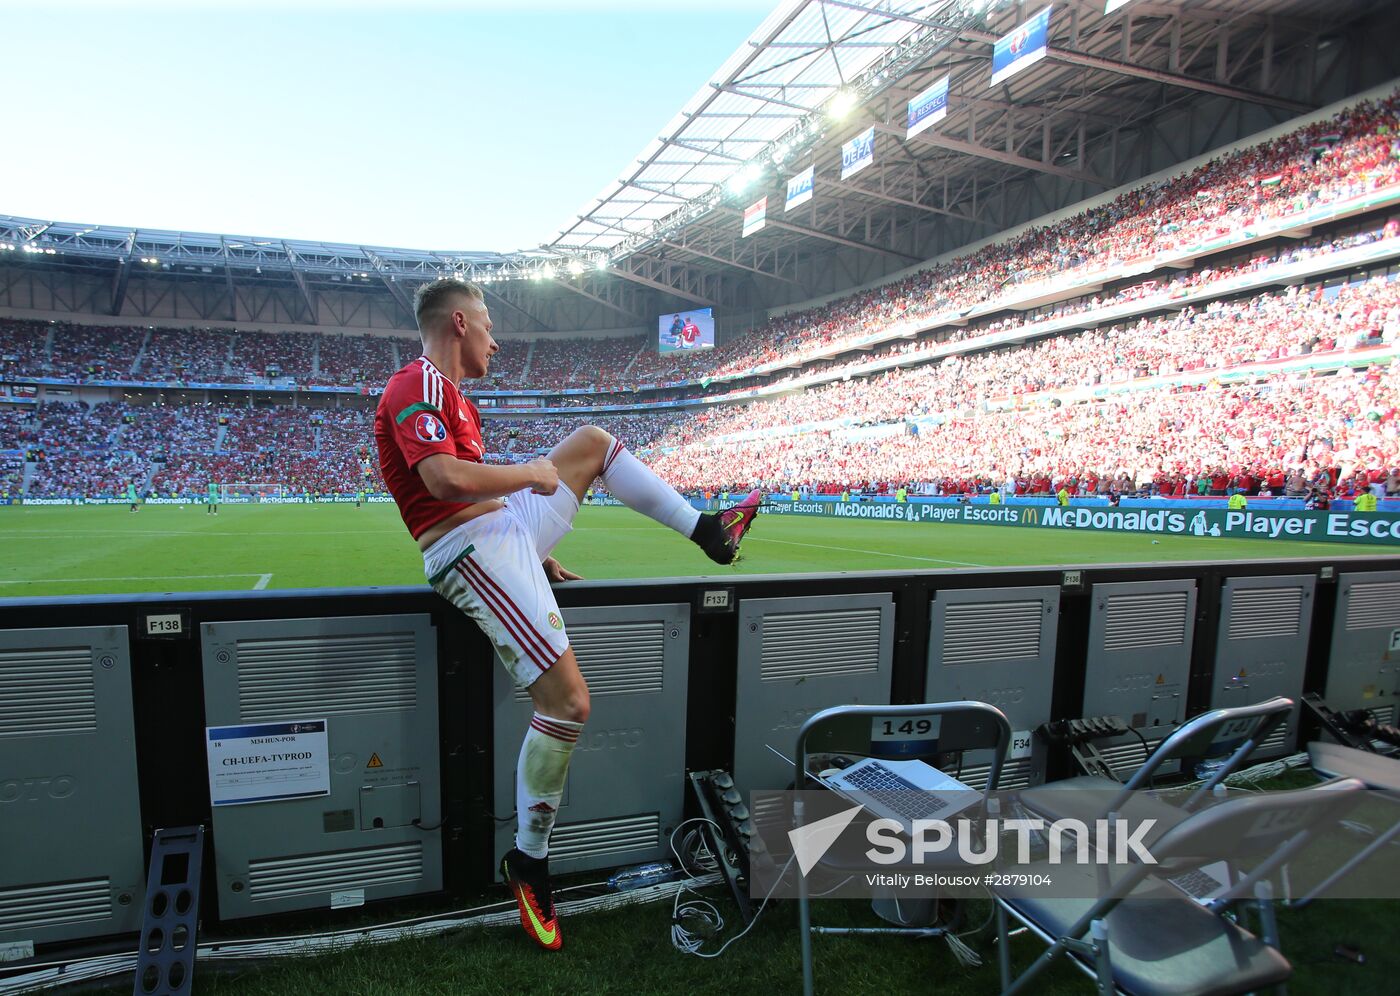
(486, 533)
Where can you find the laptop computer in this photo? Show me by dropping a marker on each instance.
(903, 791)
(1205, 883)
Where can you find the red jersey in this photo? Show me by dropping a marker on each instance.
(422, 413)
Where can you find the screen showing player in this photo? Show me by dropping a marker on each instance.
(686, 330)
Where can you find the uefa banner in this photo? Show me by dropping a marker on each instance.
(1021, 49)
(858, 153)
(1322, 527)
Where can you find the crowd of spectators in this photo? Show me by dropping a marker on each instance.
(196, 355)
(22, 347)
(107, 472)
(199, 355)
(93, 352)
(532, 436)
(1342, 423)
(11, 475)
(347, 360)
(274, 355)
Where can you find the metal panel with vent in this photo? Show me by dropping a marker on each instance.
(374, 680)
(626, 785)
(997, 645)
(1363, 669)
(1138, 663)
(1261, 649)
(798, 656)
(68, 779)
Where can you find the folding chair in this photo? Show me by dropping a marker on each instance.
(1139, 935)
(1381, 775)
(850, 730)
(1233, 733)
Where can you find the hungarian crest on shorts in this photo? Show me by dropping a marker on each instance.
(555, 621)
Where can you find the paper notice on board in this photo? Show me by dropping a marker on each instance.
(268, 762)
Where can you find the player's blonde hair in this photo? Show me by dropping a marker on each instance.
(433, 301)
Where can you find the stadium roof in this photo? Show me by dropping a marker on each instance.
(1107, 79)
(760, 104)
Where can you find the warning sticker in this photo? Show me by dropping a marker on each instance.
(374, 762)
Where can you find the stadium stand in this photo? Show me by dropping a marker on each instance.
(1340, 424)
(22, 347)
(93, 352)
(1198, 325)
(349, 360)
(186, 355)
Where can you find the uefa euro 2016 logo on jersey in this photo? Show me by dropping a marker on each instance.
(429, 428)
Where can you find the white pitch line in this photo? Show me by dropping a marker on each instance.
(141, 577)
(263, 579)
(852, 549)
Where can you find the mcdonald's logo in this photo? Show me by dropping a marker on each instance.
(1031, 516)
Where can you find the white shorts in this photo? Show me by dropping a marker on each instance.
(489, 567)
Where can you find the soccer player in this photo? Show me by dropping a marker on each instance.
(690, 334)
(131, 495)
(212, 506)
(486, 533)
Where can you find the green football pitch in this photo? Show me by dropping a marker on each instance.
(110, 550)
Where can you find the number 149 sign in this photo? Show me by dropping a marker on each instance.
(888, 729)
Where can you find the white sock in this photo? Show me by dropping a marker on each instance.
(633, 483)
(539, 780)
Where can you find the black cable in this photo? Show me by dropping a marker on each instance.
(1146, 752)
(436, 826)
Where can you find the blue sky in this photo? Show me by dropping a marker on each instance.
(429, 124)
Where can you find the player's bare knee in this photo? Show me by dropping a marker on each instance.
(576, 706)
(596, 439)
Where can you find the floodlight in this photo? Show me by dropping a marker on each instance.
(576, 266)
(601, 263)
(745, 178)
(547, 272)
(842, 104)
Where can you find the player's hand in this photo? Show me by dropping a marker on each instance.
(556, 571)
(544, 476)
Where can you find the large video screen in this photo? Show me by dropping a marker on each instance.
(686, 330)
